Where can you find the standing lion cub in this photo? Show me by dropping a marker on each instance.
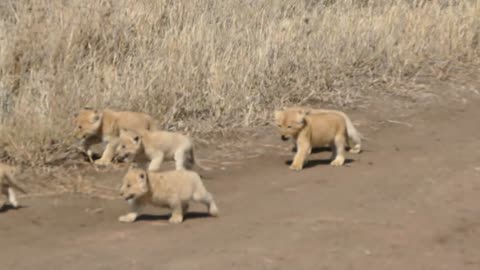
(8, 185)
(313, 130)
(173, 189)
(92, 127)
(157, 146)
(354, 137)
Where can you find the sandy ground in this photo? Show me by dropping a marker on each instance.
(409, 201)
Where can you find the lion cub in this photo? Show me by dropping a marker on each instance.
(8, 185)
(172, 189)
(157, 146)
(313, 130)
(93, 127)
(354, 137)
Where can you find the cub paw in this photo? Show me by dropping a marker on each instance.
(213, 211)
(355, 150)
(102, 162)
(128, 218)
(14, 204)
(296, 167)
(176, 219)
(337, 162)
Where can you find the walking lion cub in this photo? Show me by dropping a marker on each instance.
(93, 127)
(313, 130)
(8, 185)
(354, 137)
(173, 189)
(155, 147)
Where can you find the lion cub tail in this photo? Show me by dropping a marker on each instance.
(191, 161)
(354, 137)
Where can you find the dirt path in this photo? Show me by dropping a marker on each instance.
(410, 201)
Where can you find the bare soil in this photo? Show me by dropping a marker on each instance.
(409, 201)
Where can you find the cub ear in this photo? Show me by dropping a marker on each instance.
(142, 177)
(304, 112)
(301, 117)
(96, 118)
(137, 139)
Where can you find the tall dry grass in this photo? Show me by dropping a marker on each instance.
(200, 65)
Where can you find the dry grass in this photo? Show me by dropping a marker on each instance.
(203, 64)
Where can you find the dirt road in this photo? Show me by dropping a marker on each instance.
(410, 201)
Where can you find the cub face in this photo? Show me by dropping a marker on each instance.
(87, 124)
(290, 122)
(135, 184)
(130, 144)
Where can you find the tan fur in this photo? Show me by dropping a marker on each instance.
(172, 189)
(354, 137)
(92, 127)
(8, 184)
(155, 147)
(313, 130)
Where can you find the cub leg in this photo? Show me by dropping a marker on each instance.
(338, 151)
(177, 213)
(135, 208)
(294, 147)
(180, 159)
(356, 149)
(156, 162)
(303, 149)
(12, 198)
(206, 198)
(108, 154)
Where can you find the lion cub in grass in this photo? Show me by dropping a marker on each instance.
(93, 127)
(313, 130)
(8, 185)
(157, 146)
(173, 189)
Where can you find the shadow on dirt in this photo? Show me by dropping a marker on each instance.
(8, 207)
(314, 162)
(189, 215)
(316, 149)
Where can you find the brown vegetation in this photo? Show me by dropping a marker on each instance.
(203, 64)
